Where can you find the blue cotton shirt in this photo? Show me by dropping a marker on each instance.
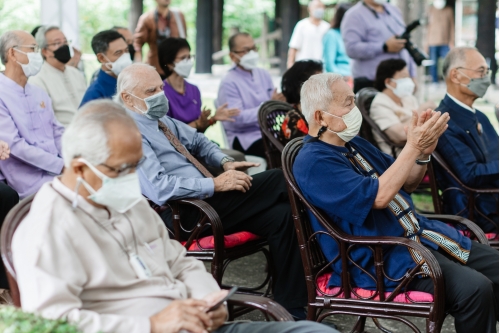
(103, 87)
(473, 157)
(330, 182)
(166, 174)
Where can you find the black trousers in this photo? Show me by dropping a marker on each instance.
(256, 149)
(8, 199)
(265, 211)
(471, 290)
(362, 82)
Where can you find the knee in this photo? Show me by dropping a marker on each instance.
(8, 196)
(479, 291)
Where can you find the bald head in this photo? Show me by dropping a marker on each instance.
(457, 57)
(11, 39)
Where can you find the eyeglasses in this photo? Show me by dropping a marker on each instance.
(34, 48)
(60, 43)
(126, 169)
(482, 71)
(246, 50)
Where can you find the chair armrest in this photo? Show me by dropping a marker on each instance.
(453, 219)
(263, 304)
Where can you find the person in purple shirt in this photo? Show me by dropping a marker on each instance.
(174, 55)
(246, 87)
(27, 121)
(369, 30)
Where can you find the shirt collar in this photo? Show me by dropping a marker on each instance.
(461, 104)
(106, 78)
(139, 118)
(11, 84)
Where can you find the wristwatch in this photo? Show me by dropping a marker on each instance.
(225, 160)
(420, 162)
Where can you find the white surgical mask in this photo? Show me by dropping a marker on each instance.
(318, 13)
(183, 67)
(34, 65)
(352, 120)
(404, 87)
(439, 4)
(380, 2)
(250, 60)
(120, 64)
(120, 193)
(157, 105)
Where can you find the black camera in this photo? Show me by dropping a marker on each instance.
(417, 55)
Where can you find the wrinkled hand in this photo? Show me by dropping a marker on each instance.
(242, 166)
(232, 180)
(278, 96)
(223, 113)
(395, 45)
(219, 315)
(425, 130)
(4, 150)
(180, 315)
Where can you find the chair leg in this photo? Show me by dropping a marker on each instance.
(359, 327)
(217, 271)
(312, 313)
(432, 326)
(379, 326)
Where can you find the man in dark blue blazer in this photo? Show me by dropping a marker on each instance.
(470, 144)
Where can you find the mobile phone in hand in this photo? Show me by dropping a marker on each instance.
(220, 302)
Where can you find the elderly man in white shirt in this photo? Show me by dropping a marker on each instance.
(92, 251)
(64, 84)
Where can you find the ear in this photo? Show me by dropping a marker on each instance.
(126, 97)
(319, 119)
(77, 167)
(389, 82)
(455, 76)
(233, 57)
(45, 53)
(101, 58)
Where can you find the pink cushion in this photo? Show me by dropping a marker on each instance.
(415, 296)
(491, 236)
(466, 233)
(207, 243)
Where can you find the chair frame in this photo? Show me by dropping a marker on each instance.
(237, 304)
(272, 146)
(315, 264)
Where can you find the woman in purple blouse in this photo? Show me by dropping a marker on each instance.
(185, 98)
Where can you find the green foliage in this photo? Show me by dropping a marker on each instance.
(13, 320)
(15, 15)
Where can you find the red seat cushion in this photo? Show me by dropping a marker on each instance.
(207, 243)
(466, 233)
(415, 296)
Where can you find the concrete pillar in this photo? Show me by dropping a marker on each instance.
(204, 35)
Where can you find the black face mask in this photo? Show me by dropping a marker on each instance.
(131, 50)
(62, 54)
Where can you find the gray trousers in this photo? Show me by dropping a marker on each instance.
(276, 327)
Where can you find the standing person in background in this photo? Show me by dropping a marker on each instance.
(335, 58)
(154, 27)
(369, 30)
(64, 84)
(307, 36)
(440, 34)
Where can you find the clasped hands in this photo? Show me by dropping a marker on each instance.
(425, 129)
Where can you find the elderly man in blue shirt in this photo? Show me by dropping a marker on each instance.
(172, 170)
(112, 52)
(470, 145)
(367, 193)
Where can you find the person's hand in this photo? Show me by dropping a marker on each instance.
(242, 166)
(4, 150)
(232, 180)
(180, 315)
(202, 122)
(394, 45)
(219, 315)
(278, 96)
(223, 113)
(75, 60)
(425, 129)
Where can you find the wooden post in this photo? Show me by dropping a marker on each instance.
(204, 34)
(264, 50)
(136, 9)
(218, 26)
(289, 16)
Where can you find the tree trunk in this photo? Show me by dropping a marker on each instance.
(136, 8)
(204, 35)
(485, 42)
(218, 13)
(289, 16)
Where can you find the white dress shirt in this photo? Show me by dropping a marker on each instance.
(465, 106)
(307, 39)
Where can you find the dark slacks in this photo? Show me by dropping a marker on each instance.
(471, 290)
(362, 82)
(265, 211)
(276, 327)
(256, 149)
(8, 199)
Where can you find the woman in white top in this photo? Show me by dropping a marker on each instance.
(391, 108)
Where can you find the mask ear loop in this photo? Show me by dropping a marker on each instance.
(79, 181)
(320, 132)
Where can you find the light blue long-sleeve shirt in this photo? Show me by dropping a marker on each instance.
(335, 58)
(166, 174)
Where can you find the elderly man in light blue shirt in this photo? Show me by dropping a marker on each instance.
(27, 121)
(171, 170)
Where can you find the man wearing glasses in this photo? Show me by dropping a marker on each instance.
(246, 87)
(27, 121)
(65, 84)
(470, 144)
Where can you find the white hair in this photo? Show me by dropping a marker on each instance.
(7, 41)
(316, 93)
(40, 36)
(87, 137)
(455, 58)
(127, 80)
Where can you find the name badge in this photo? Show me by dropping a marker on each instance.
(139, 266)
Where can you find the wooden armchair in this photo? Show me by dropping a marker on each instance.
(271, 117)
(347, 299)
(268, 307)
(472, 194)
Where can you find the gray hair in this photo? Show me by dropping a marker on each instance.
(455, 58)
(316, 93)
(127, 80)
(87, 137)
(40, 36)
(7, 41)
